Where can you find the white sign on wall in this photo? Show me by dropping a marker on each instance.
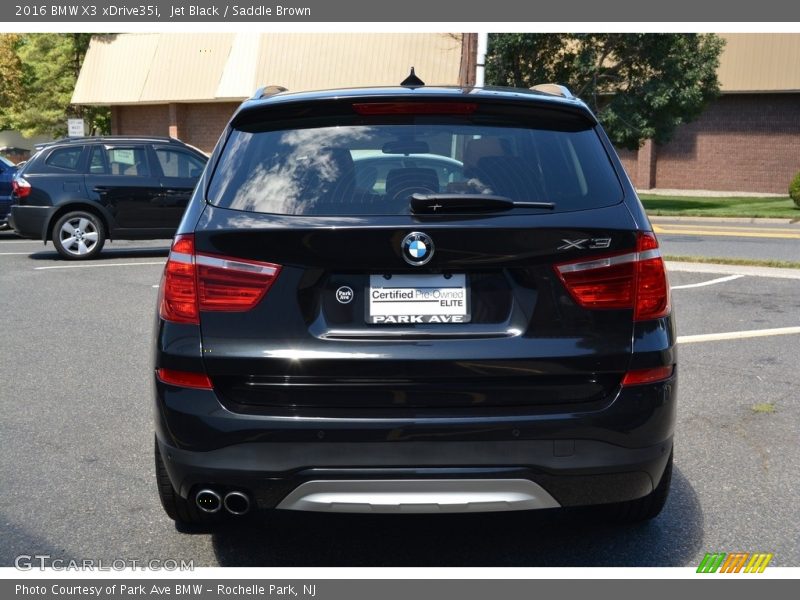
(76, 128)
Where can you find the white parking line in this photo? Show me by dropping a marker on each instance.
(13, 253)
(716, 269)
(138, 264)
(705, 283)
(736, 335)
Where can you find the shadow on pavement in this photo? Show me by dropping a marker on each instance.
(108, 254)
(536, 539)
(18, 541)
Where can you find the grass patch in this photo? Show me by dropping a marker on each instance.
(763, 408)
(747, 262)
(692, 206)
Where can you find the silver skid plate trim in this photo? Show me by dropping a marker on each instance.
(418, 496)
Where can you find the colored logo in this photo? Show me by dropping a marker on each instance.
(735, 562)
(344, 294)
(417, 248)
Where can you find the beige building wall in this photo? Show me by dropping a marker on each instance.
(188, 85)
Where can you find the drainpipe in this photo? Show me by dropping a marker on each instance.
(480, 63)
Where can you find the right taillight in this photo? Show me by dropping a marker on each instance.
(20, 187)
(652, 288)
(629, 280)
(195, 282)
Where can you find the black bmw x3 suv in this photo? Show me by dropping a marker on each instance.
(414, 299)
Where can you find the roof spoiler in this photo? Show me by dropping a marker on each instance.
(267, 91)
(554, 89)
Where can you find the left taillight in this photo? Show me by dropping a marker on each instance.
(629, 280)
(179, 284)
(232, 284)
(195, 282)
(20, 187)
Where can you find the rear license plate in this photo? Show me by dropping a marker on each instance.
(418, 299)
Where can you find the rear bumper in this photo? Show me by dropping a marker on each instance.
(30, 221)
(611, 455)
(596, 472)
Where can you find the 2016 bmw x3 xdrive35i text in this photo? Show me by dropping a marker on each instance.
(414, 300)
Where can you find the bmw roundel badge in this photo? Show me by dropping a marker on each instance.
(417, 248)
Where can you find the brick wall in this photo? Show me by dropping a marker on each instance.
(204, 123)
(742, 142)
(640, 166)
(197, 124)
(628, 158)
(140, 120)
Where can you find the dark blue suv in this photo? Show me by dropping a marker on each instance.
(7, 171)
(80, 192)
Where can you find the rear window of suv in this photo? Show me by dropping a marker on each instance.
(65, 159)
(373, 169)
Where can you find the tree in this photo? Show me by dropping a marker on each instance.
(50, 64)
(10, 76)
(641, 86)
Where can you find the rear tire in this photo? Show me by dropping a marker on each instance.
(79, 235)
(646, 508)
(184, 513)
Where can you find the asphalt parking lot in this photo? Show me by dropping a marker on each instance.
(77, 467)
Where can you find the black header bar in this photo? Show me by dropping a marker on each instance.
(451, 11)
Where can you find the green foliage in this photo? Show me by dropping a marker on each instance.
(640, 85)
(794, 190)
(703, 206)
(10, 76)
(48, 67)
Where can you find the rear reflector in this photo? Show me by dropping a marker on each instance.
(187, 379)
(195, 282)
(631, 280)
(415, 108)
(642, 376)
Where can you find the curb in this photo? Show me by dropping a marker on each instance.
(676, 193)
(750, 220)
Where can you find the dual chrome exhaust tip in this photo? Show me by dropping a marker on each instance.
(211, 502)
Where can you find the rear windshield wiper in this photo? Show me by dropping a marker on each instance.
(468, 203)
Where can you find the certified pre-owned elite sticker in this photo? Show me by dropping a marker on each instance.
(344, 294)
